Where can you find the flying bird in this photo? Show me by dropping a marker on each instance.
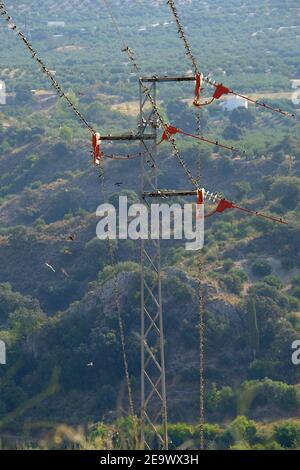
(64, 272)
(50, 267)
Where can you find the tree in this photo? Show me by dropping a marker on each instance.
(241, 430)
(296, 281)
(228, 264)
(273, 281)
(13, 395)
(66, 134)
(24, 321)
(287, 191)
(288, 434)
(62, 203)
(261, 268)
(278, 157)
(179, 434)
(225, 166)
(242, 117)
(60, 150)
(253, 327)
(242, 189)
(220, 399)
(233, 283)
(232, 133)
(23, 95)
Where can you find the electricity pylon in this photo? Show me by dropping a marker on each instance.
(154, 416)
(153, 375)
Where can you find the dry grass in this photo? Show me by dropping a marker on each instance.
(129, 108)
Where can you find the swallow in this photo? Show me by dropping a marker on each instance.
(64, 272)
(50, 267)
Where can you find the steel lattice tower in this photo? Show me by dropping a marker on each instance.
(154, 416)
(153, 377)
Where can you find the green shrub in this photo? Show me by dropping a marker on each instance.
(288, 435)
(240, 431)
(225, 166)
(212, 432)
(241, 273)
(296, 292)
(110, 271)
(266, 392)
(228, 265)
(220, 400)
(179, 434)
(287, 191)
(233, 283)
(127, 435)
(296, 281)
(242, 189)
(273, 445)
(261, 268)
(273, 281)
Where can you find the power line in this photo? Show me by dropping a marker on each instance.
(130, 53)
(220, 89)
(201, 317)
(168, 133)
(201, 310)
(174, 130)
(118, 305)
(62, 94)
(35, 56)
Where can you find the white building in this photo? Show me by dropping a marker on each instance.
(56, 24)
(2, 353)
(234, 102)
(2, 92)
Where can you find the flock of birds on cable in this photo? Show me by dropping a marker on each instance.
(168, 131)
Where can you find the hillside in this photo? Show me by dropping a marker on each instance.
(57, 306)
